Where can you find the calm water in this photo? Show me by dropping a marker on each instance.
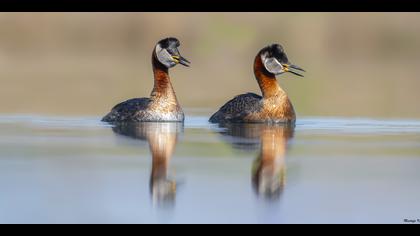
(325, 170)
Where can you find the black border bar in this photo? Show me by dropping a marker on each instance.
(210, 5)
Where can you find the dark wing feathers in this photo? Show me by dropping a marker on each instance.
(126, 110)
(237, 108)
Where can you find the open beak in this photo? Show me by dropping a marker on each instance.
(289, 67)
(181, 60)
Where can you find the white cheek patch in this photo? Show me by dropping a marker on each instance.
(272, 65)
(163, 56)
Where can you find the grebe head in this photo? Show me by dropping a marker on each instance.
(276, 62)
(166, 51)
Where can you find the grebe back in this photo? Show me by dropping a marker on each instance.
(274, 106)
(162, 106)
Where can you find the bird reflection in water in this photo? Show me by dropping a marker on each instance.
(269, 168)
(162, 139)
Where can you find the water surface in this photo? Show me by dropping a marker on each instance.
(324, 170)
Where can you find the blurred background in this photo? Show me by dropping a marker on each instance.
(358, 64)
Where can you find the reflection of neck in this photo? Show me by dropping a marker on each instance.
(162, 88)
(266, 80)
(273, 147)
(270, 175)
(162, 146)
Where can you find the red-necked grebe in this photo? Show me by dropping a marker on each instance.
(162, 106)
(274, 106)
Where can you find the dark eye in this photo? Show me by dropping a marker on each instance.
(281, 57)
(173, 51)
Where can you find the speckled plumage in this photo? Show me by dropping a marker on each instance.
(141, 110)
(162, 106)
(237, 109)
(273, 107)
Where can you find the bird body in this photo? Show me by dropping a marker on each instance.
(145, 110)
(162, 105)
(274, 106)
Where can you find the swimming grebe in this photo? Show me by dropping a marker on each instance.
(162, 104)
(274, 106)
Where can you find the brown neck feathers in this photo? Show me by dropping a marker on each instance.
(266, 80)
(162, 87)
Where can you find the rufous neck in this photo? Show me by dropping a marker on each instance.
(162, 85)
(266, 80)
